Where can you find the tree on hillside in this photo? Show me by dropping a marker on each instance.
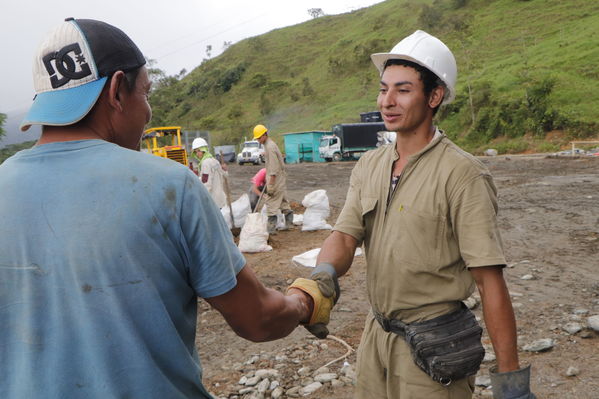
(2, 119)
(315, 12)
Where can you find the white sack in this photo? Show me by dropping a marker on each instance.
(298, 219)
(308, 258)
(241, 208)
(254, 236)
(317, 210)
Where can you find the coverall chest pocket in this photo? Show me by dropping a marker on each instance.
(368, 213)
(419, 236)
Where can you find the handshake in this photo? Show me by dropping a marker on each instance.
(323, 288)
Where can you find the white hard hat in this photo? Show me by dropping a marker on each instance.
(198, 143)
(427, 51)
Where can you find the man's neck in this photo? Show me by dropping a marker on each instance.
(409, 143)
(54, 134)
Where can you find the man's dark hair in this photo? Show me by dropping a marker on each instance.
(131, 78)
(429, 79)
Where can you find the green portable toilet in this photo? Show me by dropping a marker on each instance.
(303, 146)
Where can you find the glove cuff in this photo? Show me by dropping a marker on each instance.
(327, 268)
(511, 384)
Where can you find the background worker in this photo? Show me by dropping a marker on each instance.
(101, 267)
(210, 171)
(276, 181)
(258, 183)
(425, 211)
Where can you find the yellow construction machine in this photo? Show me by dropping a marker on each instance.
(157, 139)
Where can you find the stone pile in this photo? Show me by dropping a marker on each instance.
(289, 376)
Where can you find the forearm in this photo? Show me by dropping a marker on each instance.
(499, 320)
(282, 314)
(256, 190)
(258, 313)
(338, 250)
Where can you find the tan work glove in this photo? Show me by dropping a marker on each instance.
(324, 290)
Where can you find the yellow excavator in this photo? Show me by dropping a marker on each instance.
(158, 138)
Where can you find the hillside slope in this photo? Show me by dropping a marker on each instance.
(525, 68)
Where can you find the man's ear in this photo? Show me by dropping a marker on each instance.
(436, 96)
(116, 86)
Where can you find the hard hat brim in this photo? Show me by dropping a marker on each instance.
(380, 59)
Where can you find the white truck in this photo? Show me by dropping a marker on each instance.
(252, 152)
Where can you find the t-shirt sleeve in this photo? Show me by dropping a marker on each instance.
(213, 259)
(473, 211)
(350, 219)
(259, 177)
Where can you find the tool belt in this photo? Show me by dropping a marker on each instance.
(447, 348)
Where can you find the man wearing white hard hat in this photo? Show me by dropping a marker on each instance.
(425, 211)
(210, 171)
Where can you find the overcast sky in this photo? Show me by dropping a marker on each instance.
(175, 33)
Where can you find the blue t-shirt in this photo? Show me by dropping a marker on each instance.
(103, 253)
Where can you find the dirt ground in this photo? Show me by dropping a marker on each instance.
(549, 220)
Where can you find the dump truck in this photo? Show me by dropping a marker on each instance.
(165, 142)
(350, 140)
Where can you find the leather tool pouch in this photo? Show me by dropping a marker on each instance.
(447, 348)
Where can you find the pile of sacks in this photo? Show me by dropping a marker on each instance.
(254, 235)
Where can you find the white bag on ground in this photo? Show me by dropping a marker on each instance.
(317, 210)
(308, 258)
(254, 236)
(241, 208)
(298, 219)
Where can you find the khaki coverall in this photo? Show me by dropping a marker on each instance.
(440, 220)
(275, 166)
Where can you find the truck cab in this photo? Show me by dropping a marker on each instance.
(350, 140)
(252, 152)
(330, 148)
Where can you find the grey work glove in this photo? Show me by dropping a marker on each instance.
(326, 277)
(512, 384)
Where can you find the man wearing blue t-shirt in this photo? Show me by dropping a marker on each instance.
(104, 250)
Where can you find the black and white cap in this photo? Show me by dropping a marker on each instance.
(71, 67)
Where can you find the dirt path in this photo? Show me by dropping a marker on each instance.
(549, 220)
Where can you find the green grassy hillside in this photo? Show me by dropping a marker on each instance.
(526, 68)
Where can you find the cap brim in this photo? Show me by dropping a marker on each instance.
(63, 107)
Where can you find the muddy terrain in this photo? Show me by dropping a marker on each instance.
(549, 220)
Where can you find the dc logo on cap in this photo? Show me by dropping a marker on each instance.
(65, 65)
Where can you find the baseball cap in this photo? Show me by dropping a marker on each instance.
(71, 67)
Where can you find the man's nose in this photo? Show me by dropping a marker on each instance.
(388, 99)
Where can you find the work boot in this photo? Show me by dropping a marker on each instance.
(289, 220)
(272, 225)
